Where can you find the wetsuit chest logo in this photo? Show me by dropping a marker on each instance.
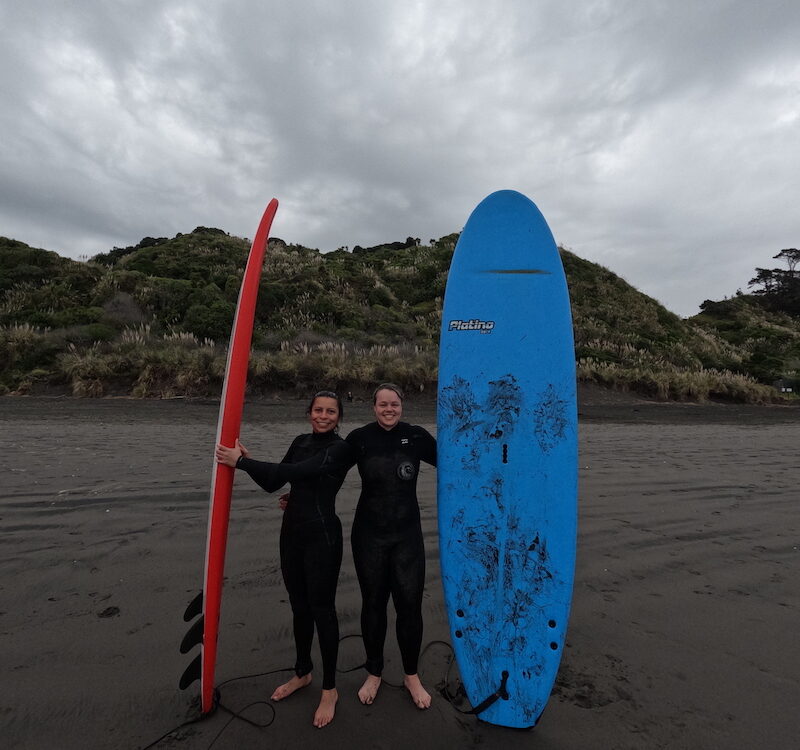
(405, 470)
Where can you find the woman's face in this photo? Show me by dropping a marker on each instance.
(324, 414)
(388, 408)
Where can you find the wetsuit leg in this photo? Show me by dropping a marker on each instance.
(323, 559)
(371, 560)
(408, 583)
(294, 578)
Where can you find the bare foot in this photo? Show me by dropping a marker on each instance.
(285, 690)
(369, 689)
(419, 694)
(326, 709)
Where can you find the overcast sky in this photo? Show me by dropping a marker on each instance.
(660, 139)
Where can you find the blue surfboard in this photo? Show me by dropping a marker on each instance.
(507, 459)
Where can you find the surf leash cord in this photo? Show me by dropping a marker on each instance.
(234, 714)
(500, 694)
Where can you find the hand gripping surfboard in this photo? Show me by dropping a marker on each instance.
(205, 630)
(507, 459)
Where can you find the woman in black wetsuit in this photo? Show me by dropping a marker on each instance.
(388, 550)
(311, 539)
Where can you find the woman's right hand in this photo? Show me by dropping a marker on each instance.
(283, 500)
(230, 456)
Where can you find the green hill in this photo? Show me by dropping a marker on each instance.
(768, 340)
(153, 319)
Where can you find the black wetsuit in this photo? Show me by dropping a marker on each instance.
(311, 540)
(388, 550)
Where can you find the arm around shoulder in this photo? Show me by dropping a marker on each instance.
(427, 445)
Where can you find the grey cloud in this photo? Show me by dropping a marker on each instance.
(657, 138)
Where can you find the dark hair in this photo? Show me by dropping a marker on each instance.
(387, 387)
(327, 394)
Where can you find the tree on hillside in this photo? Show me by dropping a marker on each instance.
(768, 279)
(779, 289)
(792, 257)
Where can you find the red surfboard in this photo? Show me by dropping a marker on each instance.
(205, 630)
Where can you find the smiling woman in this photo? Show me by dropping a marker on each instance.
(388, 402)
(311, 538)
(388, 549)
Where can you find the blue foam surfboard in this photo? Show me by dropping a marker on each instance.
(507, 458)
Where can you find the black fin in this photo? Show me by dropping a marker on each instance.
(195, 608)
(192, 673)
(193, 637)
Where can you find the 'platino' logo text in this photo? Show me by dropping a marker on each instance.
(484, 326)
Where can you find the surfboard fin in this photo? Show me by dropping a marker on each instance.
(193, 637)
(195, 608)
(191, 673)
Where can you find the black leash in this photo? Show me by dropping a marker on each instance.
(217, 703)
(500, 694)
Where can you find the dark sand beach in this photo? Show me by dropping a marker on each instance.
(683, 632)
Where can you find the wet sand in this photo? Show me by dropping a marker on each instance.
(683, 631)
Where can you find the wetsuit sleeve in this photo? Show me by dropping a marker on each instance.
(427, 446)
(265, 474)
(354, 441)
(336, 457)
(272, 477)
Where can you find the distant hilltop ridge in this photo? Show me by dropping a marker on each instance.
(153, 319)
